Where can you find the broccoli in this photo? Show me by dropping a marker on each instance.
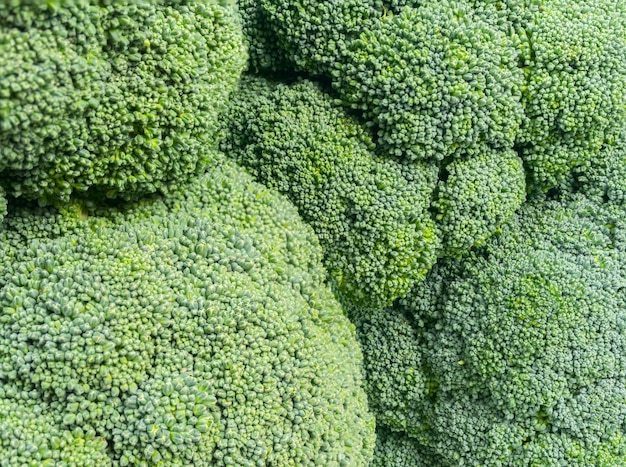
(452, 78)
(515, 355)
(476, 196)
(604, 179)
(437, 81)
(370, 214)
(305, 35)
(29, 436)
(3, 204)
(395, 449)
(116, 99)
(575, 84)
(193, 329)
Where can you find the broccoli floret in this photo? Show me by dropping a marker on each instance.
(396, 383)
(370, 214)
(29, 436)
(437, 81)
(604, 177)
(190, 330)
(520, 347)
(575, 83)
(476, 197)
(310, 35)
(118, 100)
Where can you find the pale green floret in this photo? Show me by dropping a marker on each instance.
(30, 437)
(477, 197)
(194, 330)
(118, 100)
(521, 346)
(370, 214)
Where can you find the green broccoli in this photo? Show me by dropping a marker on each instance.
(604, 178)
(575, 83)
(514, 356)
(438, 81)
(370, 214)
(476, 196)
(395, 449)
(305, 35)
(188, 330)
(116, 99)
(29, 436)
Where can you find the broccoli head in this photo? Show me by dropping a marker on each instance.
(477, 195)
(575, 83)
(516, 355)
(437, 81)
(370, 214)
(190, 330)
(114, 98)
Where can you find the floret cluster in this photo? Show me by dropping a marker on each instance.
(386, 233)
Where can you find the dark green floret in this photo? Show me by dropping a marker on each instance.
(370, 214)
(116, 100)
(476, 197)
(574, 62)
(194, 330)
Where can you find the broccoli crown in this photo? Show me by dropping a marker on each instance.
(476, 196)
(521, 351)
(575, 83)
(29, 436)
(310, 35)
(437, 81)
(370, 214)
(449, 78)
(117, 98)
(190, 330)
(604, 178)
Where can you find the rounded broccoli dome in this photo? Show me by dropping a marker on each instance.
(117, 99)
(476, 197)
(575, 83)
(194, 330)
(309, 35)
(29, 436)
(516, 356)
(437, 81)
(370, 214)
